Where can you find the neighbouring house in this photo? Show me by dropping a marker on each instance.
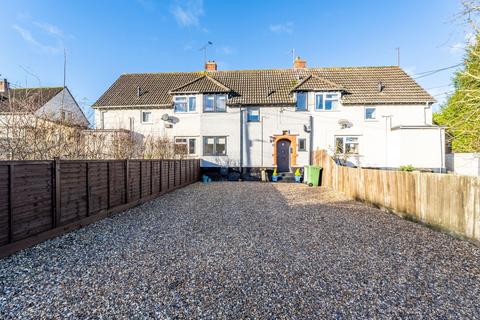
(39, 123)
(250, 119)
(49, 103)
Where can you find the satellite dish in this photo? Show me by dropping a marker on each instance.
(344, 123)
(165, 117)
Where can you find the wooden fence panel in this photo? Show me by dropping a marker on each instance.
(146, 178)
(73, 191)
(165, 175)
(156, 176)
(134, 180)
(448, 202)
(117, 186)
(98, 184)
(32, 200)
(171, 174)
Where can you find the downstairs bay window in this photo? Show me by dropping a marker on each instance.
(346, 145)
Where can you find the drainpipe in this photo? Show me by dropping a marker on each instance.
(262, 143)
(311, 141)
(241, 142)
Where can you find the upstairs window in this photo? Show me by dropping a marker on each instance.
(346, 145)
(326, 101)
(331, 101)
(146, 117)
(253, 115)
(301, 101)
(185, 104)
(370, 113)
(214, 103)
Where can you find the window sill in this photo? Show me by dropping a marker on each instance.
(146, 122)
(317, 110)
(214, 155)
(371, 120)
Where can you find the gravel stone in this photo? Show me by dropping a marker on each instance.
(245, 250)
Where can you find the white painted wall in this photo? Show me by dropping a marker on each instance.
(379, 146)
(465, 164)
(66, 102)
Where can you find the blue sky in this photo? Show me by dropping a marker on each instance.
(104, 39)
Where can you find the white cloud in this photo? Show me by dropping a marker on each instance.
(188, 13)
(459, 47)
(282, 28)
(29, 38)
(49, 28)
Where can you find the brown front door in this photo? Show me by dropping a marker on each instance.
(283, 156)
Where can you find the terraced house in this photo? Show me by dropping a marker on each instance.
(369, 116)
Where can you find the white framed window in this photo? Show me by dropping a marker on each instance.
(214, 146)
(302, 101)
(185, 145)
(302, 144)
(102, 119)
(147, 117)
(253, 115)
(185, 104)
(370, 113)
(326, 101)
(214, 103)
(346, 145)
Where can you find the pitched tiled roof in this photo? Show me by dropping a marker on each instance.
(27, 99)
(203, 84)
(360, 85)
(313, 82)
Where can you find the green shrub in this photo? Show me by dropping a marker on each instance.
(407, 168)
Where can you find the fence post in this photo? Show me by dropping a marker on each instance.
(57, 205)
(10, 202)
(141, 180)
(127, 178)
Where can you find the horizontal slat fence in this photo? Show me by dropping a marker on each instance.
(448, 202)
(42, 199)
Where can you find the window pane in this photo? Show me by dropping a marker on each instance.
(209, 103)
(351, 139)
(351, 147)
(220, 104)
(319, 101)
(191, 146)
(180, 104)
(328, 105)
(180, 140)
(208, 146)
(339, 145)
(220, 146)
(331, 101)
(370, 113)
(146, 116)
(253, 115)
(302, 145)
(301, 101)
(192, 104)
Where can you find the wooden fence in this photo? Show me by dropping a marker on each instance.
(43, 199)
(447, 202)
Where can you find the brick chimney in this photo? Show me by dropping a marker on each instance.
(211, 66)
(299, 63)
(3, 86)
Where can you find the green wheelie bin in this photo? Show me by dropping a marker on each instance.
(314, 175)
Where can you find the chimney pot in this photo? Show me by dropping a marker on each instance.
(299, 63)
(211, 66)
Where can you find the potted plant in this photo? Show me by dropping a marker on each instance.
(274, 175)
(298, 175)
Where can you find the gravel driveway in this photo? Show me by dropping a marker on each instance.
(245, 250)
